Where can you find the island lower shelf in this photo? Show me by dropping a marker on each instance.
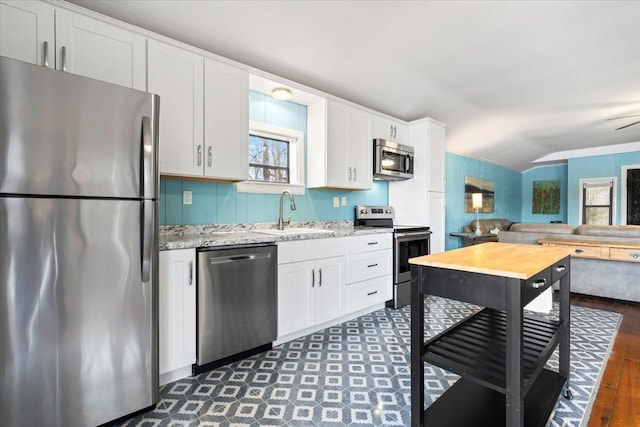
(476, 348)
(467, 403)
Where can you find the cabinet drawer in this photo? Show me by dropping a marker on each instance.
(367, 293)
(536, 285)
(370, 242)
(367, 265)
(584, 251)
(305, 250)
(559, 269)
(624, 254)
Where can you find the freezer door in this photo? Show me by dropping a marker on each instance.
(66, 135)
(78, 326)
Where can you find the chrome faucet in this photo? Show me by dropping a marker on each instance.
(281, 221)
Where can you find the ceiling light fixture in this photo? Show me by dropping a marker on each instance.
(281, 93)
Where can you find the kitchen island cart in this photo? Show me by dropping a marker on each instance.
(499, 352)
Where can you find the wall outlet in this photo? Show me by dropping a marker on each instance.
(336, 202)
(186, 198)
(344, 200)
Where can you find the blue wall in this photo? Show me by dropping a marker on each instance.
(220, 203)
(596, 167)
(546, 173)
(507, 188)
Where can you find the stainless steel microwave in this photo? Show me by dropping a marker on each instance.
(392, 161)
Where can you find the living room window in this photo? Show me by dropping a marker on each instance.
(597, 201)
(276, 160)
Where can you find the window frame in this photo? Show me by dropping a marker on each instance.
(296, 141)
(270, 137)
(603, 181)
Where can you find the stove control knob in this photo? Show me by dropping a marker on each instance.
(363, 211)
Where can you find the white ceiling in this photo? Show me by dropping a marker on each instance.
(513, 80)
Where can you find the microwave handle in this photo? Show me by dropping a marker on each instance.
(408, 164)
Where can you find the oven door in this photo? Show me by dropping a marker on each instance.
(408, 245)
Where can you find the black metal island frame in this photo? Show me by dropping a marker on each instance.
(499, 352)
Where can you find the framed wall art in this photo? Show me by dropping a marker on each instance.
(474, 186)
(546, 197)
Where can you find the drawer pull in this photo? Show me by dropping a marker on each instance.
(372, 293)
(635, 255)
(372, 265)
(578, 251)
(372, 243)
(561, 268)
(539, 283)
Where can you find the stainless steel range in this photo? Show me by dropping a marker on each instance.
(408, 242)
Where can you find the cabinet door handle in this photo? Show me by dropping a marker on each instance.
(209, 156)
(395, 132)
(391, 131)
(190, 272)
(372, 265)
(350, 174)
(319, 277)
(313, 278)
(578, 251)
(64, 58)
(46, 54)
(372, 293)
(355, 174)
(539, 283)
(561, 268)
(199, 155)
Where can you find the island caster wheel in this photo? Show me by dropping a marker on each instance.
(567, 394)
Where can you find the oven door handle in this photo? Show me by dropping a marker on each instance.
(412, 236)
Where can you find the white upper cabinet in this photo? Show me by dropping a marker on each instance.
(204, 114)
(339, 152)
(177, 76)
(391, 130)
(410, 198)
(226, 121)
(27, 31)
(91, 48)
(39, 33)
(436, 157)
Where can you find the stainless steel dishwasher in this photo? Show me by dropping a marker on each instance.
(237, 303)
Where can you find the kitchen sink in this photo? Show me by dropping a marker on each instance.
(293, 230)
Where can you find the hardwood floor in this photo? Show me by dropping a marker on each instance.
(618, 400)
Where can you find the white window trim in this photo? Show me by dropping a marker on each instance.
(596, 181)
(623, 192)
(296, 148)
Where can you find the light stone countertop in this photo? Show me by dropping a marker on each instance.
(186, 237)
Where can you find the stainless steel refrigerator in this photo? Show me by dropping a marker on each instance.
(78, 257)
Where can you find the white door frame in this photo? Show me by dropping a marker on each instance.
(623, 192)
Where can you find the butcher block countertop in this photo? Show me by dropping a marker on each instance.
(515, 260)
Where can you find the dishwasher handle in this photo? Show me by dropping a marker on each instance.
(234, 258)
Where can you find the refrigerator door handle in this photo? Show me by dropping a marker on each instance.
(146, 238)
(64, 58)
(46, 54)
(147, 153)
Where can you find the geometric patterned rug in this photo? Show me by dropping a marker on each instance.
(357, 374)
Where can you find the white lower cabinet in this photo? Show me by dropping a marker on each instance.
(309, 293)
(177, 310)
(367, 293)
(325, 281)
(311, 278)
(369, 271)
